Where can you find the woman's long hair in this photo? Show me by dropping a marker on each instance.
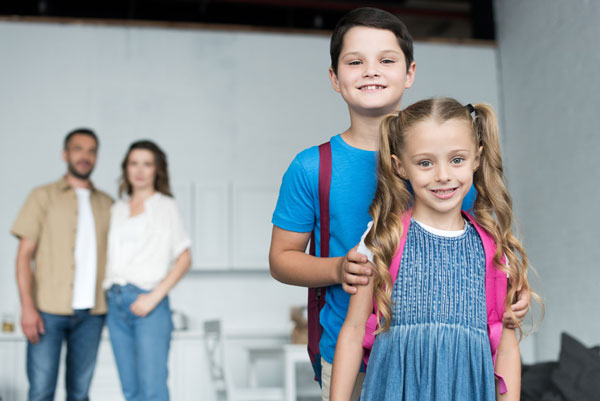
(492, 210)
(161, 179)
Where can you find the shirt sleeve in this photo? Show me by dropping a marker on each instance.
(180, 241)
(295, 210)
(362, 248)
(29, 221)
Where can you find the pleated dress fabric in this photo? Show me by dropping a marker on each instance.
(437, 347)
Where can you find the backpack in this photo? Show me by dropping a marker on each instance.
(495, 292)
(316, 296)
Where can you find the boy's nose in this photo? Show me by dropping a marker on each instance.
(371, 70)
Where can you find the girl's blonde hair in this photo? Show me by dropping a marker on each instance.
(492, 210)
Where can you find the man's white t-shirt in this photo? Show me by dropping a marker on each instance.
(86, 258)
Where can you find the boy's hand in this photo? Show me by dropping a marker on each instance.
(520, 308)
(353, 270)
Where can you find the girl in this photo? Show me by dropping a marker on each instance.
(432, 341)
(148, 253)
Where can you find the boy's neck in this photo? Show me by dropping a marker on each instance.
(363, 132)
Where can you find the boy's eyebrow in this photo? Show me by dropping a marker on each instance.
(358, 53)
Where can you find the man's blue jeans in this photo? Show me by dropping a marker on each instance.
(140, 344)
(81, 332)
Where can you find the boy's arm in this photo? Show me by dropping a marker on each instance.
(520, 309)
(508, 365)
(291, 265)
(349, 350)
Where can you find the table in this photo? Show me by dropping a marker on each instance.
(292, 354)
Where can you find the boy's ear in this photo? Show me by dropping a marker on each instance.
(398, 167)
(410, 75)
(477, 158)
(64, 155)
(335, 83)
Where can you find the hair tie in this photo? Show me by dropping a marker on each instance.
(470, 108)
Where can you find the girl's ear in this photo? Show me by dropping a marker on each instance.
(398, 167)
(477, 158)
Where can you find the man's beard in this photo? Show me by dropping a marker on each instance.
(82, 176)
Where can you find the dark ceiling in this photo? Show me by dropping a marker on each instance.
(452, 19)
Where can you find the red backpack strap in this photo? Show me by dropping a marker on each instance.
(372, 325)
(324, 187)
(316, 296)
(496, 284)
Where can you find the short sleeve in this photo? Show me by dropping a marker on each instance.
(362, 248)
(29, 221)
(180, 241)
(295, 210)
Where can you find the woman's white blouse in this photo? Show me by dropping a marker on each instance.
(147, 260)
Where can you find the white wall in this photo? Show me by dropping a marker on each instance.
(549, 58)
(226, 106)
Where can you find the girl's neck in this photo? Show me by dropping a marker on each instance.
(449, 221)
(363, 132)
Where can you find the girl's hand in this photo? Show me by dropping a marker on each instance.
(520, 309)
(144, 304)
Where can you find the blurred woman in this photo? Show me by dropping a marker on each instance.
(148, 253)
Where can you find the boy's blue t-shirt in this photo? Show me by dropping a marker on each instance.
(353, 183)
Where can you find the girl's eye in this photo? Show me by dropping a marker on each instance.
(457, 160)
(425, 163)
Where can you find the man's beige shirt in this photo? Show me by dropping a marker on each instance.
(49, 219)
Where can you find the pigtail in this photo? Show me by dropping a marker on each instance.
(391, 199)
(493, 206)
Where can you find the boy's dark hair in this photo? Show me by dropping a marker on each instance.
(80, 131)
(372, 18)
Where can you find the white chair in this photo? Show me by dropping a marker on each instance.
(215, 351)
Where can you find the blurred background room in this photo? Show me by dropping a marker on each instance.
(232, 90)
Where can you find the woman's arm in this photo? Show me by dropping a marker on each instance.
(349, 351)
(508, 365)
(145, 303)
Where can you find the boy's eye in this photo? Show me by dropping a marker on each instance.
(425, 163)
(387, 61)
(354, 62)
(457, 160)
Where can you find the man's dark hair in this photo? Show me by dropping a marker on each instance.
(80, 131)
(372, 18)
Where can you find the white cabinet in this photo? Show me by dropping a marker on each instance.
(188, 375)
(229, 223)
(13, 380)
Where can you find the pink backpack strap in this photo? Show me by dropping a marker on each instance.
(495, 293)
(371, 325)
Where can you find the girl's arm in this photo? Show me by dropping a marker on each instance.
(349, 351)
(508, 365)
(145, 303)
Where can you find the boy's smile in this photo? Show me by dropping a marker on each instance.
(372, 74)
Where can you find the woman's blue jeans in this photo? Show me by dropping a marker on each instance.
(140, 344)
(81, 332)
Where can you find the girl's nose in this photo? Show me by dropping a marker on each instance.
(442, 173)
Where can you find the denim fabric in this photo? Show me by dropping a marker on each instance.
(81, 332)
(140, 344)
(437, 347)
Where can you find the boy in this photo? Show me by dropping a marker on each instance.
(371, 66)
